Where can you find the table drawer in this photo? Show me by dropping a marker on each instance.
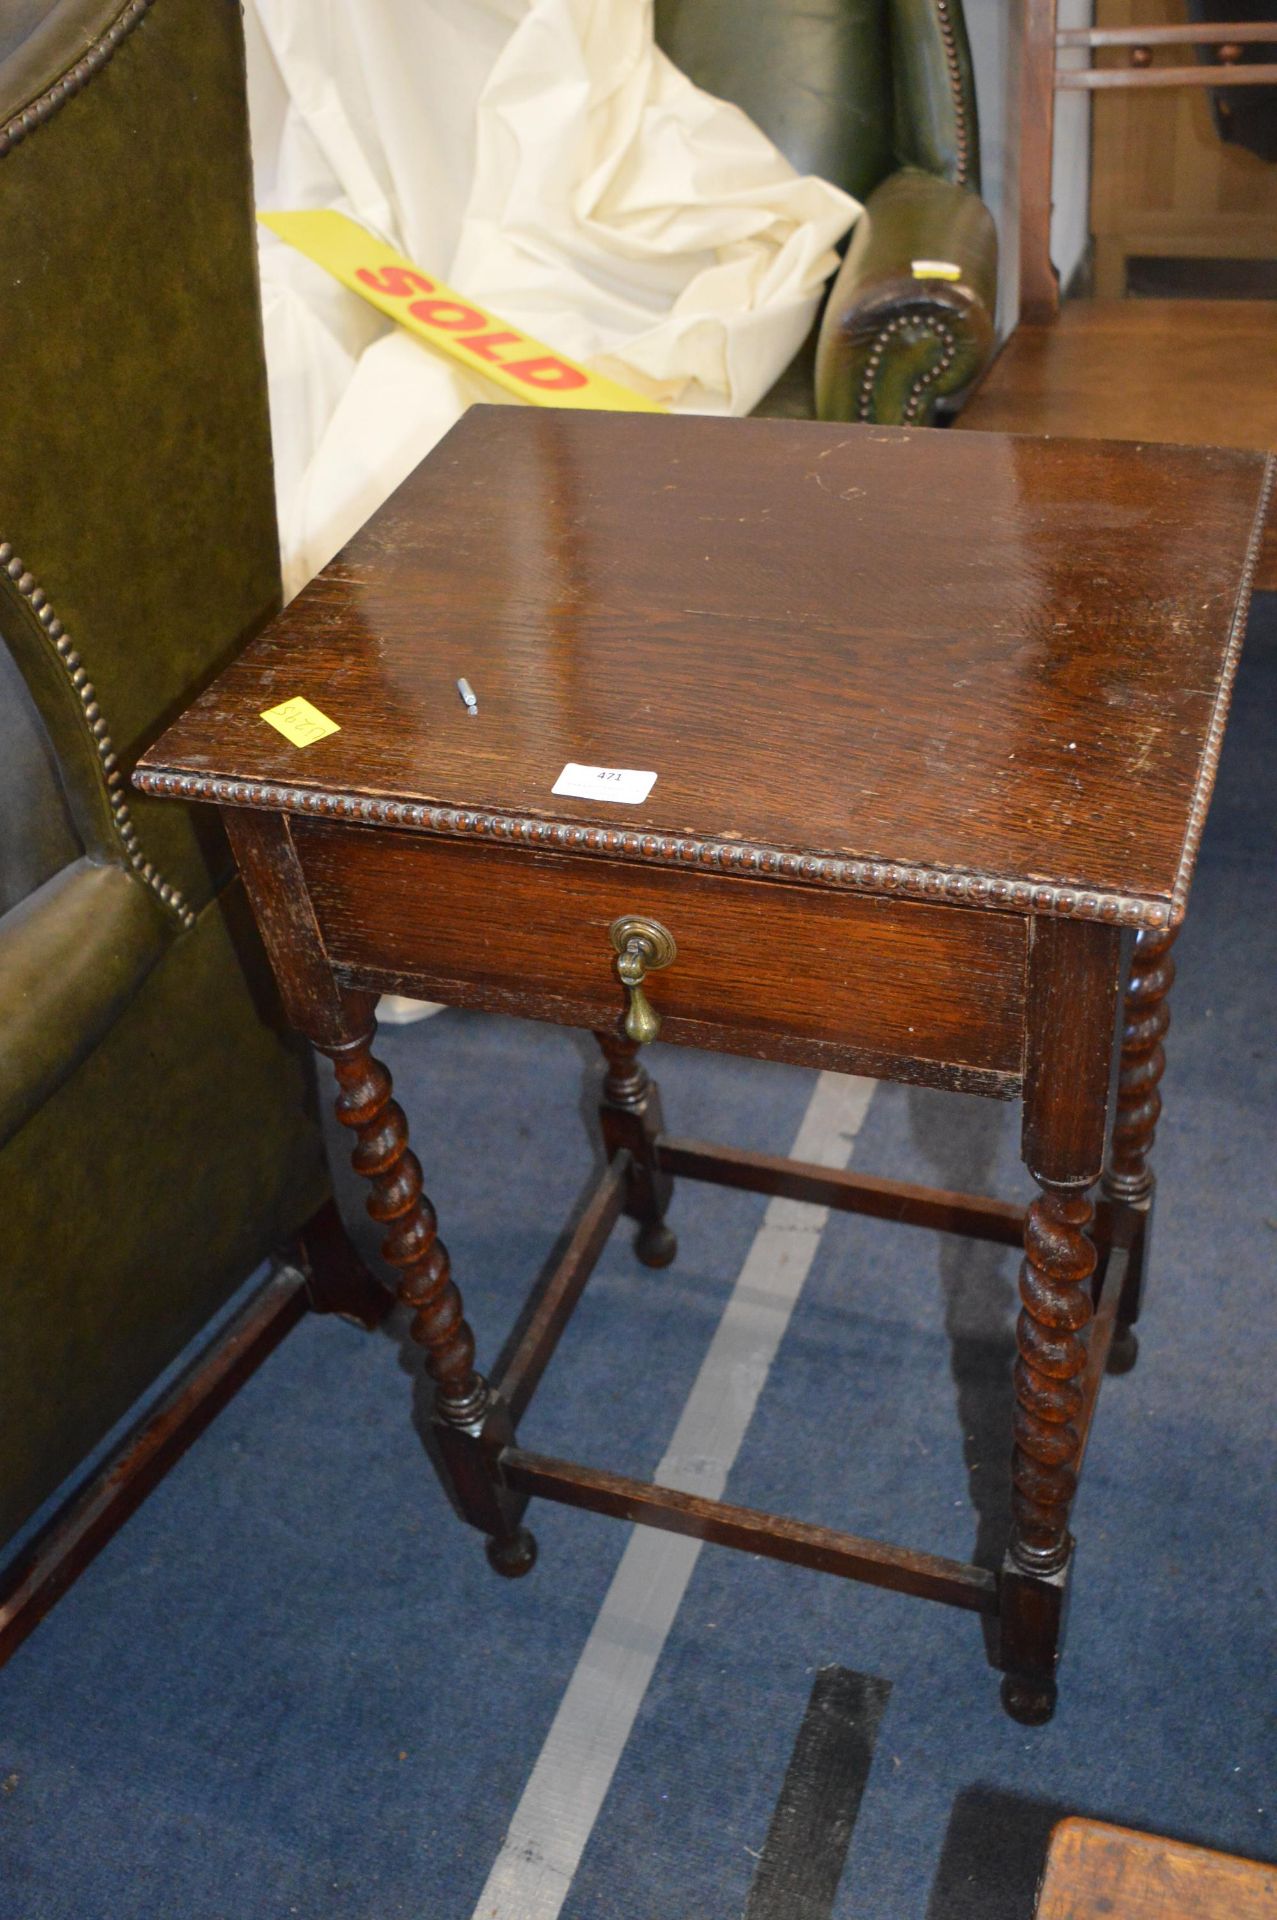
(790, 972)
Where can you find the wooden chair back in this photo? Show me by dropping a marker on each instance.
(1043, 76)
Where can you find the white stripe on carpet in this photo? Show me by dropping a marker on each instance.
(533, 1872)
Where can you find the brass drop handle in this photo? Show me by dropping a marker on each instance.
(642, 946)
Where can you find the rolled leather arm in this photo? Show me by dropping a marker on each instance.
(894, 341)
(72, 956)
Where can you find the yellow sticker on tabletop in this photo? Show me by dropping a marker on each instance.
(444, 319)
(300, 722)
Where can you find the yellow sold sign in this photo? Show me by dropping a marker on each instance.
(436, 314)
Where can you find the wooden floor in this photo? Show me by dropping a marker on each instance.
(1203, 372)
(1094, 1870)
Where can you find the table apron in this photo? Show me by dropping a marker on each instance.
(898, 989)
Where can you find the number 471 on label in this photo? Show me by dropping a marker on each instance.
(621, 784)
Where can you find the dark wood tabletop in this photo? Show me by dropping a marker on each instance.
(979, 667)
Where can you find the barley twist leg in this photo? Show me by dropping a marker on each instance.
(470, 1421)
(1128, 1178)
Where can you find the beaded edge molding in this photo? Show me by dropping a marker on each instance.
(878, 877)
(881, 877)
(1208, 766)
(77, 674)
(91, 62)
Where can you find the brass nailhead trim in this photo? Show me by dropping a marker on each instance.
(76, 673)
(869, 876)
(962, 131)
(90, 63)
(882, 341)
(917, 393)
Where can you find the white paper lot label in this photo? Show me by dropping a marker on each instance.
(621, 784)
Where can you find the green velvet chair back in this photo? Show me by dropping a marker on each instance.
(848, 89)
(157, 1136)
(136, 496)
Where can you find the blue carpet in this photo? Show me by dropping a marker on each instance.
(291, 1686)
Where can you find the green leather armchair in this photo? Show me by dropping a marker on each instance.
(157, 1129)
(877, 96)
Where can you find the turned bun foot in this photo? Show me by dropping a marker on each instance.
(1123, 1351)
(1031, 1702)
(514, 1557)
(654, 1244)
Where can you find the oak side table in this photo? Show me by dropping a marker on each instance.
(933, 721)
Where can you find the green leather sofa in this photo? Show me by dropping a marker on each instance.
(157, 1129)
(158, 1136)
(877, 96)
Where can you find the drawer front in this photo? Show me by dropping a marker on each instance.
(789, 972)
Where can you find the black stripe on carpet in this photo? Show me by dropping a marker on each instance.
(810, 1832)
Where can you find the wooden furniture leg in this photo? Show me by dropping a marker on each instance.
(1109, 269)
(1128, 1181)
(1055, 1290)
(1073, 972)
(99, 1506)
(631, 1118)
(337, 1281)
(319, 1271)
(471, 1423)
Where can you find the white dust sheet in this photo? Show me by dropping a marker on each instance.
(545, 159)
